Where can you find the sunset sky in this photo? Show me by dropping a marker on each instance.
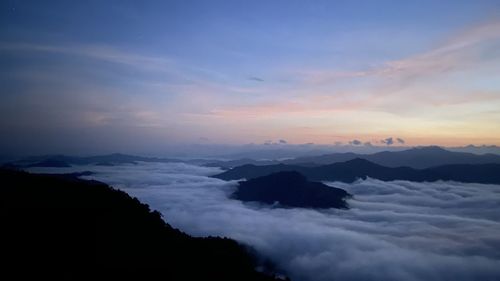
(83, 74)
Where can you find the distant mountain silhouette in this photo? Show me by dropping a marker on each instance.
(418, 158)
(291, 189)
(227, 164)
(324, 159)
(63, 228)
(480, 149)
(352, 170)
(100, 160)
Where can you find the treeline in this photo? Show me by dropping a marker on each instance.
(61, 227)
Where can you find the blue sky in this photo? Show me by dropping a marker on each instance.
(145, 73)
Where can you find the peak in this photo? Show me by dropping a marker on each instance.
(359, 161)
(432, 148)
(247, 166)
(291, 189)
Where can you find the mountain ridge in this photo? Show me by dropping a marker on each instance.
(417, 157)
(358, 168)
(59, 227)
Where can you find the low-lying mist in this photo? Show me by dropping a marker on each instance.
(394, 230)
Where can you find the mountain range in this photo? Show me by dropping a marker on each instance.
(102, 160)
(418, 158)
(352, 170)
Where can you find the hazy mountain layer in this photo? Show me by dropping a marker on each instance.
(418, 158)
(352, 170)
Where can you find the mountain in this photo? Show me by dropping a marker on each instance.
(64, 228)
(418, 158)
(480, 149)
(352, 170)
(426, 157)
(109, 159)
(291, 189)
(323, 159)
(480, 173)
(228, 164)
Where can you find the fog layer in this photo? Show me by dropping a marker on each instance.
(394, 230)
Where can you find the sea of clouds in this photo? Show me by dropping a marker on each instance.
(396, 230)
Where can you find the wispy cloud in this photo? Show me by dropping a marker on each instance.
(100, 52)
(462, 50)
(257, 79)
(425, 91)
(422, 91)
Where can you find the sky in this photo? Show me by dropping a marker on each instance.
(87, 76)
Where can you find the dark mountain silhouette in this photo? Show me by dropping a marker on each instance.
(63, 228)
(109, 159)
(250, 171)
(291, 189)
(352, 170)
(480, 173)
(479, 149)
(227, 164)
(324, 159)
(418, 158)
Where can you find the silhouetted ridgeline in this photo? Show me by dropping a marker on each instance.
(358, 168)
(66, 161)
(417, 158)
(291, 189)
(60, 227)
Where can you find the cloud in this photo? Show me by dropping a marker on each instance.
(394, 230)
(461, 51)
(200, 99)
(98, 52)
(271, 142)
(256, 79)
(400, 140)
(355, 142)
(387, 141)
